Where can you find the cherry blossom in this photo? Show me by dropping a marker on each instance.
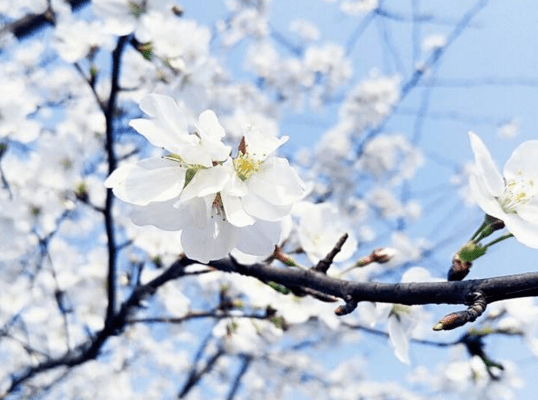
(511, 198)
(218, 203)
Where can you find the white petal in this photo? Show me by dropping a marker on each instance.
(524, 160)
(277, 182)
(487, 169)
(262, 209)
(196, 154)
(210, 126)
(163, 215)
(399, 339)
(236, 187)
(259, 239)
(197, 210)
(260, 145)
(168, 126)
(212, 243)
(152, 179)
(205, 152)
(210, 147)
(529, 211)
(485, 200)
(523, 231)
(207, 181)
(235, 214)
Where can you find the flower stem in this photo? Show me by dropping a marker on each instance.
(490, 225)
(480, 229)
(285, 258)
(362, 262)
(499, 239)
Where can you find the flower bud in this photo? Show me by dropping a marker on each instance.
(459, 269)
(471, 251)
(384, 255)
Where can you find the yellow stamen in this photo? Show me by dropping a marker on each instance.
(245, 167)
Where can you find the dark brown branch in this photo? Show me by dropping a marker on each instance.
(460, 318)
(414, 293)
(194, 315)
(324, 264)
(197, 375)
(494, 289)
(245, 364)
(348, 308)
(112, 161)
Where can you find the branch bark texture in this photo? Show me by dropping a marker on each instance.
(414, 293)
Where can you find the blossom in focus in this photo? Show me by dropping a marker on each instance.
(511, 198)
(219, 203)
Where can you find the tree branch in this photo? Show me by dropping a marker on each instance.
(414, 293)
(245, 364)
(90, 349)
(112, 161)
(197, 375)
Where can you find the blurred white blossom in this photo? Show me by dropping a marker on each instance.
(305, 29)
(320, 226)
(355, 7)
(509, 129)
(434, 42)
(370, 101)
(391, 157)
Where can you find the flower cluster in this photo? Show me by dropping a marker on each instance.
(514, 198)
(219, 203)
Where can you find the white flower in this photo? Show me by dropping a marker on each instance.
(267, 185)
(511, 199)
(217, 203)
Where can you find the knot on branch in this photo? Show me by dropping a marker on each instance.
(324, 264)
(453, 320)
(348, 308)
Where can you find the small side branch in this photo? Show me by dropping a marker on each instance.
(245, 364)
(196, 375)
(324, 265)
(348, 308)
(457, 319)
